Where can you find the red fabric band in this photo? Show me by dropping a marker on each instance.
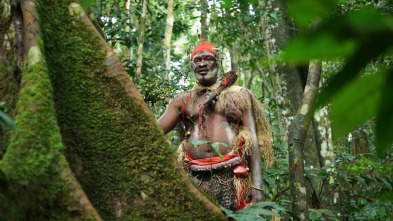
(183, 108)
(204, 46)
(209, 161)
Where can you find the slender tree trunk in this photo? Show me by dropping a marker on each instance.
(296, 137)
(204, 25)
(233, 54)
(128, 29)
(168, 35)
(141, 41)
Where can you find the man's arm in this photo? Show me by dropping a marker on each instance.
(170, 118)
(254, 159)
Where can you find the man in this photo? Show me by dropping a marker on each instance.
(234, 123)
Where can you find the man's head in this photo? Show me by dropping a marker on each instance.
(204, 64)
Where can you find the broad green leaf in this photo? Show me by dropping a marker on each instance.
(327, 212)
(8, 120)
(241, 216)
(323, 44)
(374, 46)
(320, 9)
(346, 206)
(293, 215)
(314, 214)
(387, 197)
(199, 142)
(384, 121)
(356, 103)
(260, 211)
(217, 149)
(387, 184)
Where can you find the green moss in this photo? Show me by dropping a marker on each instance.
(9, 82)
(118, 158)
(33, 160)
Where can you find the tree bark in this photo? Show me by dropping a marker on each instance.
(233, 54)
(112, 143)
(141, 29)
(204, 25)
(128, 29)
(296, 137)
(168, 35)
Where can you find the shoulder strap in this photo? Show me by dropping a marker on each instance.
(183, 108)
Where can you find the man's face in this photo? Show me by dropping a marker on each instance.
(205, 68)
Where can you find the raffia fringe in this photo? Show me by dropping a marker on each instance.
(247, 142)
(181, 155)
(242, 184)
(235, 95)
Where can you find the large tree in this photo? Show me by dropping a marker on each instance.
(78, 109)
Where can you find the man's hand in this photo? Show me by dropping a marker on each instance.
(257, 195)
(233, 114)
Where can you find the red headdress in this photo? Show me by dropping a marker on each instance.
(204, 46)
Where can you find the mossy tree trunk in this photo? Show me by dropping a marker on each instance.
(296, 139)
(77, 99)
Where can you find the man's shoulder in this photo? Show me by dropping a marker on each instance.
(236, 88)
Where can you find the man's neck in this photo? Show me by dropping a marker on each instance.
(200, 87)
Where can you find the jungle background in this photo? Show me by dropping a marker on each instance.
(77, 142)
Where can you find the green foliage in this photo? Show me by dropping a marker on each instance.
(317, 214)
(199, 142)
(217, 149)
(361, 99)
(359, 37)
(214, 145)
(254, 212)
(320, 10)
(86, 3)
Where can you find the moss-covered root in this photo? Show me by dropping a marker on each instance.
(40, 184)
(113, 145)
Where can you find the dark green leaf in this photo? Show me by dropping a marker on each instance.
(356, 103)
(384, 121)
(387, 184)
(322, 44)
(314, 214)
(347, 207)
(320, 9)
(373, 47)
(387, 197)
(293, 215)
